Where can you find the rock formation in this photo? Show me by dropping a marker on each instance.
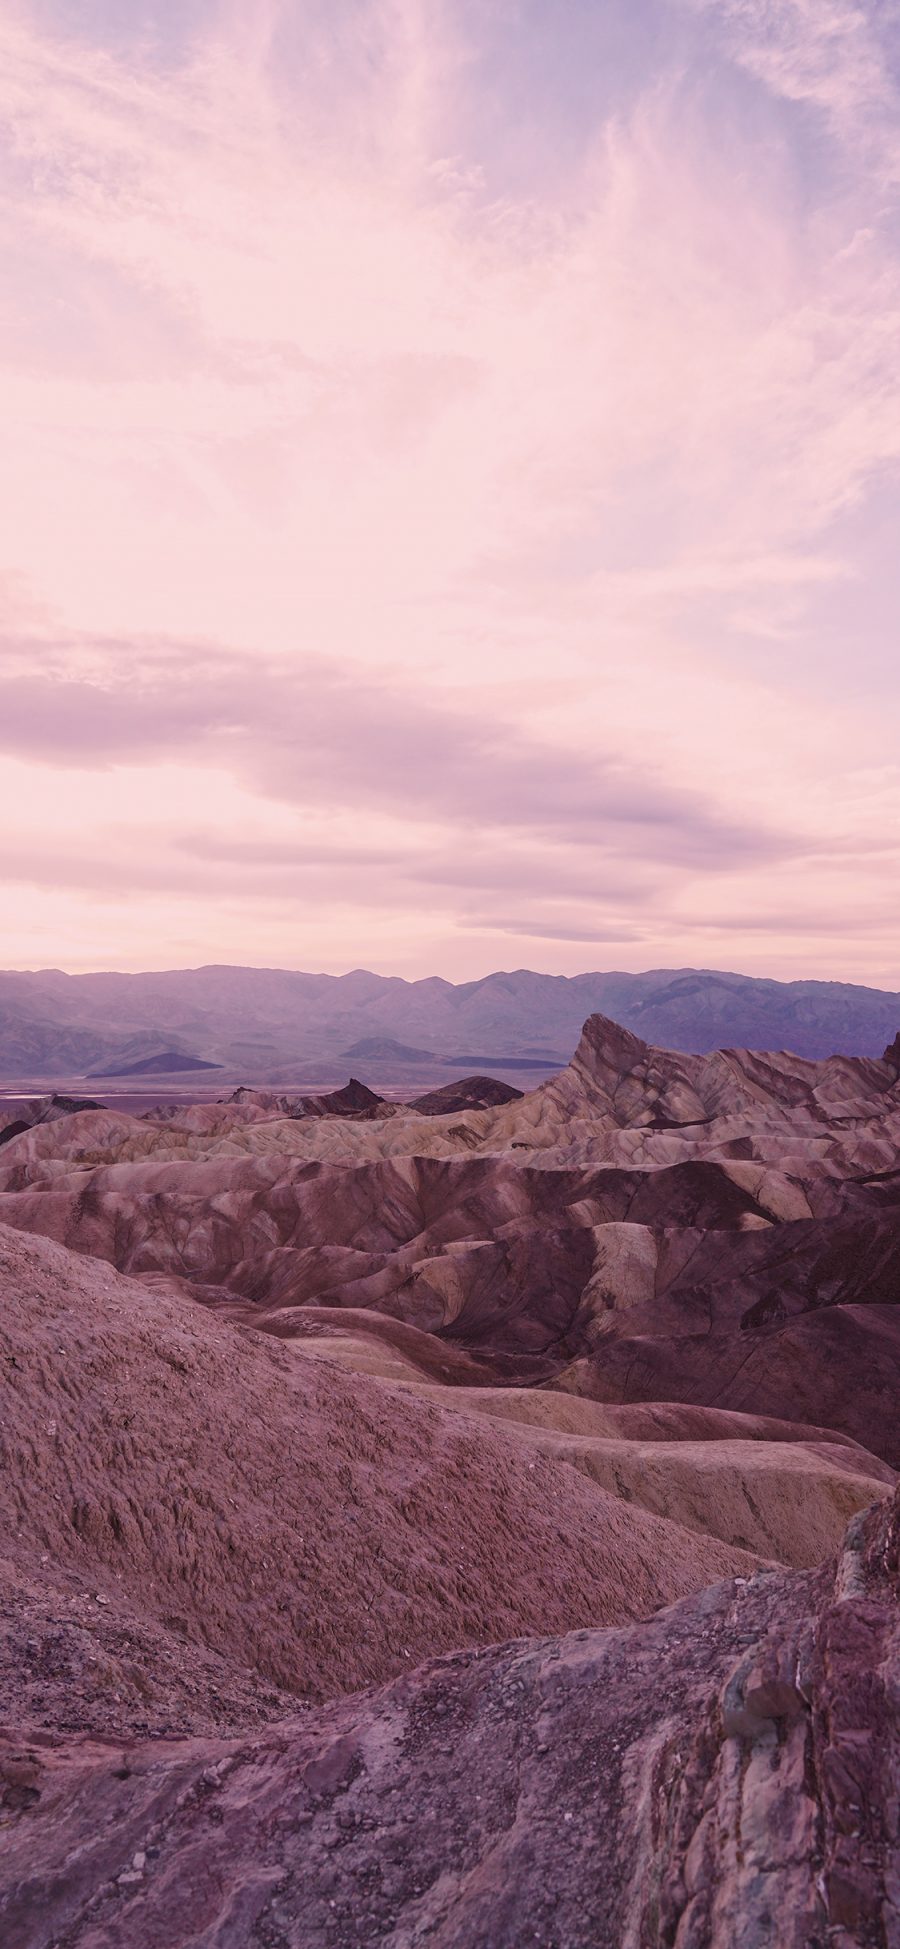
(725, 1773)
(470, 1093)
(30, 1111)
(720, 1230)
(308, 1398)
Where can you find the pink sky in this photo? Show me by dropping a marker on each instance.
(447, 500)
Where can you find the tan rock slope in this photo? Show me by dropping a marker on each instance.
(282, 1513)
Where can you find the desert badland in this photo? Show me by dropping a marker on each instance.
(463, 1526)
(450, 1012)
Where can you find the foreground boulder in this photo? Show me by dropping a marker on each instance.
(726, 1773)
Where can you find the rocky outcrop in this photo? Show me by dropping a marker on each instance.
(892, 1055)
(724, 1773)
(470, 1093)
(29, 1112)
(615, 1076)
(354, 1100)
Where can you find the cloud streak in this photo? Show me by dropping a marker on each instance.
(831, 54)
(322, 735)
(350, 491)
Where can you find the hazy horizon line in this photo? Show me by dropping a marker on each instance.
(474, 981)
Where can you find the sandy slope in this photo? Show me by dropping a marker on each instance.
(283, 1513)
(781, 1489)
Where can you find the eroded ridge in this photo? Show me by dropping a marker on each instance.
(463, 1529)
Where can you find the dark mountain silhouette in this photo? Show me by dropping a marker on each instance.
(380, 1048)
(470, 1093)
(169, 1063)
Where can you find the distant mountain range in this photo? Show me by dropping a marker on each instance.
(269, 1025)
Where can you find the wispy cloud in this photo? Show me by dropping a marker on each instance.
(839, 56)
(324, 735)
(349, 486)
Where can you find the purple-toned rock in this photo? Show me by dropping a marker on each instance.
(727, 1773)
